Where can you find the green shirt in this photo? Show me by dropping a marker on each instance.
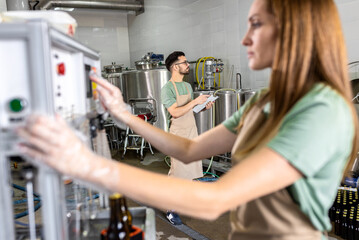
(316, 138)
(168, 93)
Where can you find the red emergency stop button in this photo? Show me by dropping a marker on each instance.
(61, 68)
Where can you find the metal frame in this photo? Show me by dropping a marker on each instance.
(39, 40)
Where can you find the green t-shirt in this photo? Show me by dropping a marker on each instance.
(316, 138)
(168, 93)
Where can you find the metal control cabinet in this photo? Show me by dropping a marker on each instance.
(43, 71)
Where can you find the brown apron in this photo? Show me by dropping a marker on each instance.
(274, 216)
(184, 126)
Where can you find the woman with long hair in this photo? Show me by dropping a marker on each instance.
(290, 143)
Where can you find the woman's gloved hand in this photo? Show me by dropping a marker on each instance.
(52, 142)
(111, 98)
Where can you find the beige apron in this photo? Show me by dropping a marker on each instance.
(274, 216)
(184, 126)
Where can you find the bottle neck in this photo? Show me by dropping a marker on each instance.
(115, 209)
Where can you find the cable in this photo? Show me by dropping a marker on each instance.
(204, 59)
(24, 213)
(23, 189)
(219, 79)
(24, 201)
(165, 159)
(38, 205)
(23, 224)
(211, 174)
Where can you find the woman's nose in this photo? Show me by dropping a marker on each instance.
(246, 41)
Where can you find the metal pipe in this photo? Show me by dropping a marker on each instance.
(239, 81)
(50, 4)
(17, 5)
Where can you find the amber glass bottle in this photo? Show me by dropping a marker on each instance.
(126, 212)
(118, 229)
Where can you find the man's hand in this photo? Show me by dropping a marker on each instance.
(209, 105)
(201, 99)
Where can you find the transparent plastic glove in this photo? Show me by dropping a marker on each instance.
(52, 142)
(111, 98)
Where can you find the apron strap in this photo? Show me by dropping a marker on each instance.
(174, 85)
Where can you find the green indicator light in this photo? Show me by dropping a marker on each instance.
(16, 105)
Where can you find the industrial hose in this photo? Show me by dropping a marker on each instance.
(25, 213)
(197, 65)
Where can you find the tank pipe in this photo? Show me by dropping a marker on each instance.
(213, 125)
(214, 80)
(238, 82)
(203, 67)
(197, 64)
(230, 75)
(49, 4)
(219, 79)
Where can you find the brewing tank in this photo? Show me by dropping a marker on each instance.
(113, 74)
(225, 105)
(142, 90)
(244, 95)
(204, 119)
(115, 79)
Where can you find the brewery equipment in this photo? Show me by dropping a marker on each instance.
(210, 67)
(204, 119)
(225, 105)
(45, 72)
(142, 90)
(228, 102)
(113, 68)
(243, 94)
(149, 61)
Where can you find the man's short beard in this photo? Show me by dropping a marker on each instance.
(185, 73)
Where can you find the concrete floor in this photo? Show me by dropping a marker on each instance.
(193, 228)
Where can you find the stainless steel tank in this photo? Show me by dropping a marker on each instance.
(113, 74)
(244, 95)
(142, 90)
(225, 105)
(115, 79)
(204, 119)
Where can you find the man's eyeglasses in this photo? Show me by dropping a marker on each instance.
(185, 62)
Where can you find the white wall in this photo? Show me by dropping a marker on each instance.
(106, 32)
(3, 5)
(199, 28)
(214, 28)
(349, 14)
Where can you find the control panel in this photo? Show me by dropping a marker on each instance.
(15, 97)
